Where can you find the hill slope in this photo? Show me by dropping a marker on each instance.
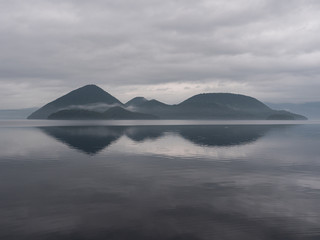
(136, 102)
(89, 94)
(120, 113)
(222, 106)
(216, 106)
(75, 114)
(117, 113)
(232, 101)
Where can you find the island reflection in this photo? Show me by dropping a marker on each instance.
(161, 183)
(93, 139)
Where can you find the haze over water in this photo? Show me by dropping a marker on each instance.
(143, 180)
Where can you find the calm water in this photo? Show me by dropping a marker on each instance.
(227, 180)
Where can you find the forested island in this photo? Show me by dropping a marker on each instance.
(92, 102)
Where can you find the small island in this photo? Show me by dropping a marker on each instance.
(93, 103)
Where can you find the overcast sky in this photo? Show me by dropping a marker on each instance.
(163, 49)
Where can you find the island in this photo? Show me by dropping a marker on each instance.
(92, 102)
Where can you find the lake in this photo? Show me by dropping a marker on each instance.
(159, 180)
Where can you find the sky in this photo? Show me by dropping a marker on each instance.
(164, 49)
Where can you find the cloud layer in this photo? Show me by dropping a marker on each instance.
(164, 49)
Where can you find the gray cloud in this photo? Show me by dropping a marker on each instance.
(268, 49)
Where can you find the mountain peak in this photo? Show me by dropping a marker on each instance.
(89, 87)
(88, 94)
(136, 101)
(235, 101)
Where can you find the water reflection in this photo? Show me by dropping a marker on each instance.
(272, 193)
(224, 136)
(93, 139)
(90, 140)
